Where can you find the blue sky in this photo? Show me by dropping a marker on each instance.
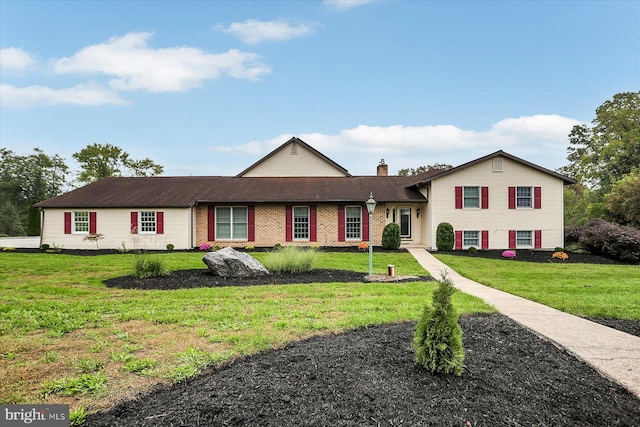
(209, 87)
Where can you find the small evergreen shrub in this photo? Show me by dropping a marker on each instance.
(438, 337)
(473, 250)
(445, 237)
(170, 247)
(391, 236)
(608, 239)
(290, 259)
(146, 266)
(44, 247)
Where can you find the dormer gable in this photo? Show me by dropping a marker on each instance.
(294, 158)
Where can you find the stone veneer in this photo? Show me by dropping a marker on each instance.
(270, 227)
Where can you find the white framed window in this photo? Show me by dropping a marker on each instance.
(524, 239)
(231, 223)
(471, 197)
(524, 197)
(470, 239)
(301, 223)
(81, 222)
(147, 222)
(353, 222)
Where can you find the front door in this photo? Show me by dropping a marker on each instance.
(405, 223)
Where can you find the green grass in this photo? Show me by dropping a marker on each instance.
(586, 290)
(57, 317)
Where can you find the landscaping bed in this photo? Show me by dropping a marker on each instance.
(201, 278)
(368, 377)
(537, 256)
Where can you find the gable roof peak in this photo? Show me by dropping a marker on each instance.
(293, 144)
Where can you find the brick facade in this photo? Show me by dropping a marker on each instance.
(270, 226)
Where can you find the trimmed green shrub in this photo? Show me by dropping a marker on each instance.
(146, 266)
(170, 247)
(290, 259)
(44, 247)
(391, 236)
(438, 338)
(444, 237)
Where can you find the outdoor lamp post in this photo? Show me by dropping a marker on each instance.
(371, 206)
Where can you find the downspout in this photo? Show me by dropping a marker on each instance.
(191, 223)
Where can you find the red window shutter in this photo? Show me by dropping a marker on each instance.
(485, 240)
(485, 197)
(160, 222)
(134, 222)
(313, 223)
(458, 197)
(341, 221)
(93, 225)
(512, 239)
(512, 197)
(67, 223)
(537, 197)
(251, 223)
(538, 239)
(365, 224)
(458, 240)
(289, 223)
(211, 223)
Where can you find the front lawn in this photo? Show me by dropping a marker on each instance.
(66, 338)
(585, 290)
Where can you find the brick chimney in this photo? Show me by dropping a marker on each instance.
(383, 169)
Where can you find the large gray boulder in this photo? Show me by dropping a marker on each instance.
(228, 262)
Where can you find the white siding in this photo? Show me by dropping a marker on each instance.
(498, 219)
(115, 224)
(291, 161)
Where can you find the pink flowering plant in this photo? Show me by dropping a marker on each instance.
(205, 247)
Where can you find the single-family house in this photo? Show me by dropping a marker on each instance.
(295, 195)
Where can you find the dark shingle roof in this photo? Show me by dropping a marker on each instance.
(187, 191)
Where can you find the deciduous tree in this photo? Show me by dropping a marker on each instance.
(105, 160)
(423, 169)
(609, 148)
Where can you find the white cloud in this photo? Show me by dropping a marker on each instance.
(541, 139)
(136, 66)
(252, 31)
(90, 94)
(346, 4)
(15, 59)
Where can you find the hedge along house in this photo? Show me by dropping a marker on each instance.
(297, 196)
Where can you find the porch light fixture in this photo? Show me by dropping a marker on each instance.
(387, 212)
(418, 213)
(371, 206)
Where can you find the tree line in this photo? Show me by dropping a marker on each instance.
(32, 178)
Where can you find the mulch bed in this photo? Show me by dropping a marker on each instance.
(538, 256)
(202, 278)
(367, 377)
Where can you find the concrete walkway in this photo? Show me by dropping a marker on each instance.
(615, 354)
